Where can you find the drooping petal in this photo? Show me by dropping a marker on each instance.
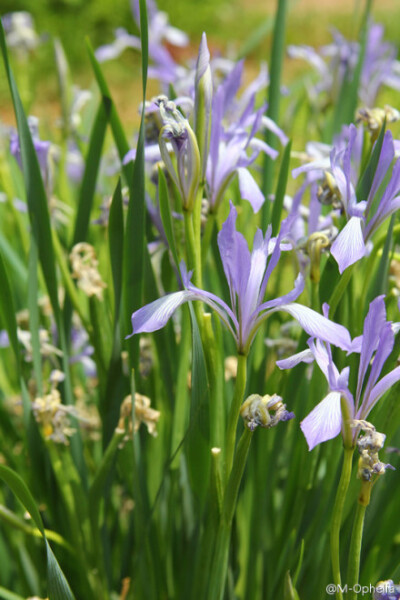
(318, 326)
(324, 422)
(155, 315)
(349, 246)
(249, 189)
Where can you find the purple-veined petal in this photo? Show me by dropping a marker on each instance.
(318, 326)
(349, 246)
(324, 422)
(155, 315)
(377, 392)
(249, 189)
(235, 255)
(294, 360)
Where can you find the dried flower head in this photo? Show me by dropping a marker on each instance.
(85, 270)
(53, 416)
(369, 444)
(143, 414)
(255, 411)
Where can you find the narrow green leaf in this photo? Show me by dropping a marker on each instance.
(365, 181)
(165, 212)
(198, 440)
(7, 310)
(116, 126)
(58, 587)
(379, 284)
(116, 243)
(7, 595)
(92, 163)
(346, 104)
(281, 189)
(274, 95)
(35, 192)
(135, 236)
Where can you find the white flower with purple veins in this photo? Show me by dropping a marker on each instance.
(233, 143)
(247, 274)
(375, 346)
(20, 32)
(338, 61)
(364, 217)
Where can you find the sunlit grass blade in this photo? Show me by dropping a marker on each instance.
(58, 587)
(274, 95)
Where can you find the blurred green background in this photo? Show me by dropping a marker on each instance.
(229, 24)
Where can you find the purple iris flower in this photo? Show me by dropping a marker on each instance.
(338, 60)
(233, 143)
(247, 274)
(163, 67)
(364, 217)
(375, 344)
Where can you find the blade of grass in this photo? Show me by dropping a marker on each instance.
(281, 189)
(58, 587)
(274, 95)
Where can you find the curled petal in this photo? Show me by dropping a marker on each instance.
(305, 356)
(324, 421)
(249, 189)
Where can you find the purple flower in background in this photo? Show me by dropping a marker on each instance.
(41, 147)
(374, 345)
(247, 274)
(364, 217)
(337, 61)
(163, 67)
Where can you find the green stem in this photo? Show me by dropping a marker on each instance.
(207, 235)
(355, 551)
(337, 519)
(219, 564)
(237, 400)
(192, 248)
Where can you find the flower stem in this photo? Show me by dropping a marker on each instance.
(337, 519)
(355, 551)
(219, 565)
(240, 388)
